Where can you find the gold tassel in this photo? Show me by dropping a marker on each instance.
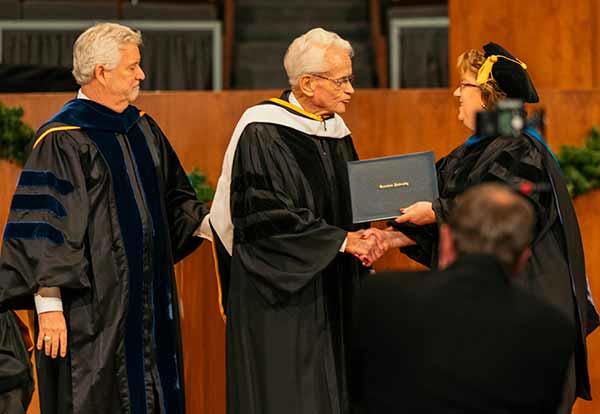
(485, 71)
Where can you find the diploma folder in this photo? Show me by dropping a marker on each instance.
(379, 187)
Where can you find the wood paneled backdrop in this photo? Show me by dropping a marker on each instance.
(560, 43)
(558, 40)
(383, 122)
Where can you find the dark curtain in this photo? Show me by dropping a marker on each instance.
(37, 61)
(36, 78)
(171, 60)
(177, 60)
(36, 47)
(424, 58)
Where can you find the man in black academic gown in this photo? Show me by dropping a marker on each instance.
(465, 339)
(285, 240)
(101, 212)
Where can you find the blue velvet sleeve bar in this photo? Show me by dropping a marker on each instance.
(43, 243)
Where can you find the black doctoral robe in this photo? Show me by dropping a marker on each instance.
(102, 210)
(16, 374)
(556, 270)
(290, 291)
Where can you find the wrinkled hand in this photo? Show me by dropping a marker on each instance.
(390, 237)
(366, 247)
(386, 239)
(419, 213)
(52, 325)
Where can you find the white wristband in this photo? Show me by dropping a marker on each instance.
(49, 302)
(43, 304)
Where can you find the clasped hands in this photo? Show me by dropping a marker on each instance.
(369, 245)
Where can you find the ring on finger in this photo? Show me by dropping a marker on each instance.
(47, 338)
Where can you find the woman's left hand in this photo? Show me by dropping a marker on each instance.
(419, 213)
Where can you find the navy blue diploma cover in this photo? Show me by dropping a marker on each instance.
(379, 187)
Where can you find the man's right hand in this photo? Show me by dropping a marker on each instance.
(367, 249)
(53, 334)
(391, 237)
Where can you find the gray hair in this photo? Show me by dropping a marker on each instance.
(99, 45)
(492, 219)
(306, 54)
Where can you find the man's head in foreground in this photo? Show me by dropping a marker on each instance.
(489, 219)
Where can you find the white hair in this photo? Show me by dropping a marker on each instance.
(306, 54)
(100, 45)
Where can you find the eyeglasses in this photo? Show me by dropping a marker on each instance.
(464, 85)
(339, 83)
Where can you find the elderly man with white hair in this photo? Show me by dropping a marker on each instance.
(285, 242)
(101, 212)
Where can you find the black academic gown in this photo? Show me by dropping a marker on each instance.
(102, 210)
(556, 270)
(290, 294)
(16, 374)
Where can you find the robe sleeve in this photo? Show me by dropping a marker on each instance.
(45, 237)
(424, 251)
(512, 161)
(184, 211)
(515, 162)
(15, 368)
(426, 237)
(277, 236)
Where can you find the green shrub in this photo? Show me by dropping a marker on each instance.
(581, 165)
(15, 135)
(204, 192)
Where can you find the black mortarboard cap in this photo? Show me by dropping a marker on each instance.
(509, 72)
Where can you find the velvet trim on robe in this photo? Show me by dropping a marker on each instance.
(101, 124)
(130, 212)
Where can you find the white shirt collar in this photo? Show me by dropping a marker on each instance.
(81, 95)
(294, 101)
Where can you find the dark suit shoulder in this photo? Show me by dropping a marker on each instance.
(391, 283)
(545, 316)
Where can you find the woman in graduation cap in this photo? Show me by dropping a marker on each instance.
(556, 269)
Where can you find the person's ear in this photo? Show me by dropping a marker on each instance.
(307, 85)
(100, 73)
(522, 261)
(447, 250)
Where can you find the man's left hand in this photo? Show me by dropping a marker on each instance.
(53, 334)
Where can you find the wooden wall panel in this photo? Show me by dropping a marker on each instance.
(588, 215)
(596, 43)
(203, 332)
(383, 122)
(555, 38)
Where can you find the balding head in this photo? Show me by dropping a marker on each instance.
(492, 219)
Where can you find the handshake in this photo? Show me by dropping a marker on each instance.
(369, 245)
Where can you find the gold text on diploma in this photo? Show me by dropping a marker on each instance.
(394, 185)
